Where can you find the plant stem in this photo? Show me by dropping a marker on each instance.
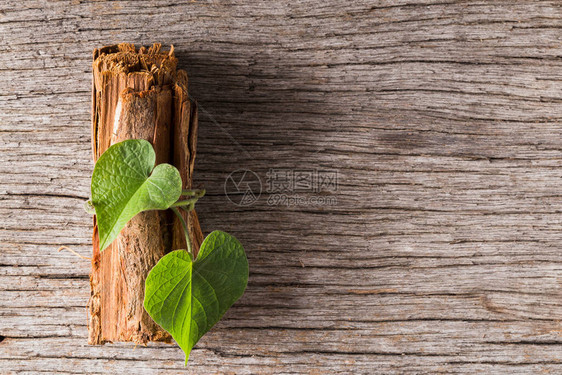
(177, 212)
(185, 202)
(187, 205)
(187, 208)
(195, 192)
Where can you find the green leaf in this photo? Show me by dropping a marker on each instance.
(125, 182)
(187, 297)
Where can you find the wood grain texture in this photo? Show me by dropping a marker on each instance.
(442, 119)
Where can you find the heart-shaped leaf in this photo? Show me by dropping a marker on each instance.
(187, 297)
(125, 182)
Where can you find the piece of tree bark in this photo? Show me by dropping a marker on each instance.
(138, 94)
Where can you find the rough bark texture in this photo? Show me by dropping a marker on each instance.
(137, 95)
(185, 147)
(443, 119)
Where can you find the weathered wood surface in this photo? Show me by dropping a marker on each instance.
(442, 118)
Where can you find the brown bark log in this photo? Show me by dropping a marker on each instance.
(138, 94)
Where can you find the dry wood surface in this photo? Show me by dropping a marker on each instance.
(439, 252)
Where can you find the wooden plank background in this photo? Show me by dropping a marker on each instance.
(442, 119)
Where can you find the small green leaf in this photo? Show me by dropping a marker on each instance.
(123, 186)
(187, 297)
(89, 207)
